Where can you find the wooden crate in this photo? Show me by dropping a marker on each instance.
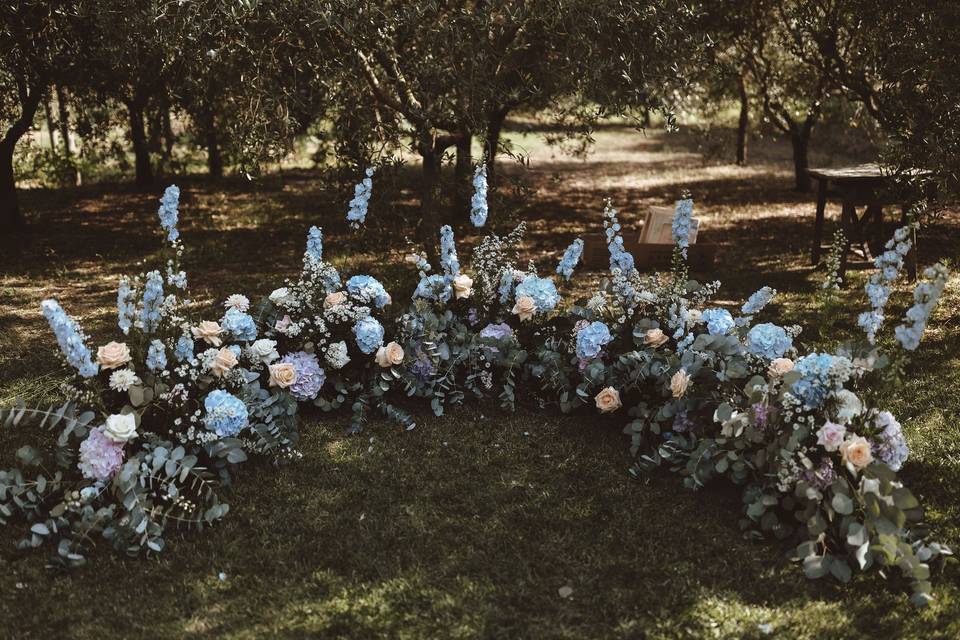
(647, 257)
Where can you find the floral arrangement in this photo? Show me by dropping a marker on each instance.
(704, 391)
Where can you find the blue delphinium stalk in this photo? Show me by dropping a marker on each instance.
(925, 298)
(240, 325)
(680, 228)
(591, 339)
(314, 244)
(505, 288)
(756, 302)
(478, 203)
(719, 321)
(125, 306)
(768, 340)
(184, 350)
(369, 334)
(448, 252)
(542, 290)
(368, 288)
(878, 290)
(151, 304)
(357, 214)
(156, 356)
(570, 258)
(70, 338)
(226, 413)
(168, 212)
(620, 258)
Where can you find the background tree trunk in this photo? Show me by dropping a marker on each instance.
(141, 152)
(10, 217)
(800, 139)
(492, 144)
(463, 173)
(743, 124)
(48, 114)
(429, 199)
(64, 121)
(214, 157)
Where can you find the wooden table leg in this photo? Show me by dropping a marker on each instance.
(874, 222)
(818, 223)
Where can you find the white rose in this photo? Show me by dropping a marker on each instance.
(264, 350)
(608, 400)
(113, 355)
(655, 338)
(281, 295)
(223, 362)
(525, 307)
(209, 332)
(121, 427)
(389, 355)
(462, 286)
(679, 383)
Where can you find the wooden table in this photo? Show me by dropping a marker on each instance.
(864, 185)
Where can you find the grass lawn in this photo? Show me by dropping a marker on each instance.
(479, 524)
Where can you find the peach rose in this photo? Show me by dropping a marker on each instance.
(282, 375)
(223, 362)
(389, 355)
(856, 452)
(655, 338)
(608, 400)
(679, 383)
(209, 332)
(462, 286)
(334, 299)
(113, 355)
(780, 366)
(525, 307)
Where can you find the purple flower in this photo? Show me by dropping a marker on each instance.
(100, 457)
(821, 477)
(496, 331)
(310, 377)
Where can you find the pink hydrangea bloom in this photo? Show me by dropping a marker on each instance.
(100, 457)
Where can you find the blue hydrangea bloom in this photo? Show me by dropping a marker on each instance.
(591, 339)
(168, 212)
(435, 287)
(310, 377)
(478, 203)
(149, 318)
(368, 288)
(542, 290)
(70, 338)
(357, 214)
(768, 340)
(156, 356)
(125, 306)
(680, 228)
(184, 349)
(448, 251)
(315, 244)
(822, 374)
(719, 321)
(239, 324)
(570, 258)
(369, 334)
(505, 288)
(226, 413)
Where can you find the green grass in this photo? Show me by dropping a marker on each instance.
(470, 525)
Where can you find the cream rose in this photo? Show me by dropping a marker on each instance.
(679, 383)
(389, 355)
(856, 452)
(121, 428)
(334, 299)
(462, 286)
(208, 331)
(264, 350)
(655, 338)
(608, 400)
(525, 307)
(113, 355)
(780, 366)
(282, 375)
(223, 362)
